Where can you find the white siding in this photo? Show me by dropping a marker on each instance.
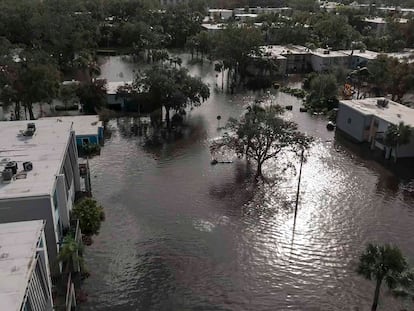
(351, 122)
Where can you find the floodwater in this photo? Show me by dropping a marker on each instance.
(181, 234)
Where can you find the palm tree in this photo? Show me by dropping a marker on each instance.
(70, 254)
(405, 288)
(397, 135)
(382, 263)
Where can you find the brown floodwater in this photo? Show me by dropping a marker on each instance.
(181, 234)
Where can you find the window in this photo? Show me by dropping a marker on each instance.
(349, 121)
(85, 141)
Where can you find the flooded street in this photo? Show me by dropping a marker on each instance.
(181, 234)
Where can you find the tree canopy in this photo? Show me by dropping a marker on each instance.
(382, 263)
(171, 88)
(262, 134)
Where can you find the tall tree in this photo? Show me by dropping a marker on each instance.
(235, 45)
(171, 88)
(92, 96)
(262, 134)
(381, 263)
(397, 135)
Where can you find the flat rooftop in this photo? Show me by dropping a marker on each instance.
(112, 87)
(46, 149)
(220, 11)
(380, 20)
(321, 53)
(82, 125)
(249, 15)
(284, 49)
(363, 54)
(406, 55)
(393, 113)
(18, 243)
(213, 26)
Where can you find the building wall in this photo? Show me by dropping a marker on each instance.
(39, 289)
(35, 208)
(351, 122)
(320, 63)
(93, 139)
(115, 101)
(297, 63)
(406, 151)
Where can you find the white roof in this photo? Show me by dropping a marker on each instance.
(220, 11)
(213, 26)
(251, 15)
(320, 52)
(362, 53)
(45, 149)
(282, 50)
(112, 87)
(380, 20)
(393, 113)
(18, 242)
(407, 55)
(82, 125)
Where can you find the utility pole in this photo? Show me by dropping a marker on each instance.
(298, 189)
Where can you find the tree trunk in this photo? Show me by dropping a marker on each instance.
(30, 108)
(222, 79)
(259, 170)
(17, 111)
(167, 117)
(376, 295)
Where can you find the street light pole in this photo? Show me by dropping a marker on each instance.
(298, 189)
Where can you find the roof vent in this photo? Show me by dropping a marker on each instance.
(326, 52)
(382, 102)
(27, 166)
(7, 175)
(12, 165)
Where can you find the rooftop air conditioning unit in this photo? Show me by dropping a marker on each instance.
(7, 175)
(12, 166)
(27, 166)
(326, 52)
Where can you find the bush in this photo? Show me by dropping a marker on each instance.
(90, 215)
(294, 92)
(90, 149)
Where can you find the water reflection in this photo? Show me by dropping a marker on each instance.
(184, 235)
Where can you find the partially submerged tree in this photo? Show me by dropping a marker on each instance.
(92, 96)
(382, 263)
(262, 134)
(70, 254)
(32, 79)
(171, 89)
(397, 135)
(90, 215)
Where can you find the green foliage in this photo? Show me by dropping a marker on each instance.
(171, 88)
(90, 215)
(397, 135)
(295, 92)
(322, 90)
(334, 31)
(392, 76)
(262, 134)
(305, 5)
(92, 96)
(90, 149)
(382, 263)
(70, 252)
(235, 44)
(67, 94)
(34, 79)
